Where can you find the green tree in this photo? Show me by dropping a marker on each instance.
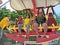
(4, 12)
(14, 15)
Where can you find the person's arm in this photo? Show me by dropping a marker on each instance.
(22, 20)
(37, 20)
(6, 27)
(45, 19)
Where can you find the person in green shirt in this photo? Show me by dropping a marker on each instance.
(42, 20)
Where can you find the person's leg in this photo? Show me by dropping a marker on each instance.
(19, 28)
(0, 32)
(45, 27)
(27, 31)
(35, 28)
(37, 31)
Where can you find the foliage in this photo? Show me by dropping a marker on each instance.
(5, 12)
(33, 38)
(14, 14)
(23, 13)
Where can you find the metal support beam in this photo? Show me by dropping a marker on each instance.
(34, 7)
(4, 4)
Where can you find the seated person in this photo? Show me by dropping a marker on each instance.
(42, 20)
(20, 23)
(27, 24)
(35, 27)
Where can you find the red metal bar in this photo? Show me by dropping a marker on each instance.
(34, 7)
(45, 3)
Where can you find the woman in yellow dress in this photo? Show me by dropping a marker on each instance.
(27, 24)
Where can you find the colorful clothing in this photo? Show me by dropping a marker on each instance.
(4, 23)
(20, 23)
(27, 25)
(27, 21)
(40, 20)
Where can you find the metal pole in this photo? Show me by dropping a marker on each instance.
(4, 3)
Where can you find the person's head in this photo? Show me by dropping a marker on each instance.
(9, 17)
(27, 16)
(20, 17)
(34, 21)
(40, 14)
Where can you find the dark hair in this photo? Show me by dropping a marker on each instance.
(20, 17)
(9, 16)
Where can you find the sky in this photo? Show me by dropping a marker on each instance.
(7, 5)
(56, 8)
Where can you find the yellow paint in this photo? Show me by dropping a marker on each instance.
(46, 17)
(12, 27)
(59, 27)
(53, 25)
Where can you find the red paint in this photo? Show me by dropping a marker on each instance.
(52, 36)
(34, 7)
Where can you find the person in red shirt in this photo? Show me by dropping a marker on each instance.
(20, 23)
